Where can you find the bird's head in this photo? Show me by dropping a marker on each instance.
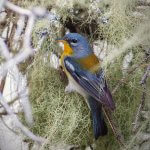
(76, 45)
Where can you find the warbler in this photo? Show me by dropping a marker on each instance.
(85, 76)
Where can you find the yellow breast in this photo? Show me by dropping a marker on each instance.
(67, 51)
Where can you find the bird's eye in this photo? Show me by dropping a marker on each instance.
(73, 41)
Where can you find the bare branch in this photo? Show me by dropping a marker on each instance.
(20, 27)
(12, 62)
(24, 99)
(27, 50)
(17, 9)
(136, 125)
(26, 131)
(143, 83)
(23, 92)
(2, 4)
(130, 71)
(145, 76)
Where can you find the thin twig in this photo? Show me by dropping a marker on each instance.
(135, 127)
(26, 131)
(24, 99)
(130, 71)
(25, 52)
(8, 126)
(2, 84)
(3, 111)
(116, 131)
(143, 83)
(145, 76)
(2, 2)
(13, 61)
(27, 49)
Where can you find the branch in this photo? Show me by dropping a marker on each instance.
(27, 49)
(143, 83)
(116, 131)
(18, 124)
(23, 92)
(145, 76)
(130, 71)
(13, 60)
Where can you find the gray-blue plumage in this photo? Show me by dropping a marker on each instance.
(79, 44)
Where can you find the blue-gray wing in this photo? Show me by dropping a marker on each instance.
(94, 84)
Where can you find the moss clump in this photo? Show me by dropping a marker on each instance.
(58, 116)
(121, 22)
(65, 118)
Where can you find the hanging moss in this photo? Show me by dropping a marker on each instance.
(58, 116)
(65, 118)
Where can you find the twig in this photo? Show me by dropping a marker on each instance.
(28, 51)
(145, 76)
(42, 36)
(19, 10)
(2, 84)
(26, 131)
(118, 85)
(13, 61)
(24, 99)
(114, 127)
(20, 27)
(121, 81)
(22, 92)
(2, 2)
(3, 111)
(8, 126)
(132, 140)
(3, 11)
(24, 53)
(143, 83)
(135, 127)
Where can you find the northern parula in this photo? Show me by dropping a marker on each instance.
(85, 76)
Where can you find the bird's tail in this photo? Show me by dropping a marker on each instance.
(99, 125)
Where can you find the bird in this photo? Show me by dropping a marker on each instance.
(86, 77)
